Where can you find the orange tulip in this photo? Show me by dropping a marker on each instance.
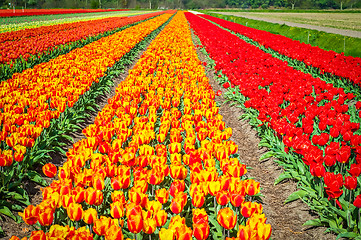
(46, 217)
(90, 215)
(149, 225)
(118, 196)
(93, 196)
(162, 195)
(75, 211)
(178, 172)
(227, 218)
(252, 187)
(176, 186)
(30, 215)
(161, 137)
(101, 225)
(132, 209)
(79, 194)
(199, 215)
(114, 233)
(176, 205)
(155, 177)
(214, 187)
(236, 199)
(154, 206)
(222, 197)
(174, 148)
(166, 234)
(49, 170)
(161, 217)
(116, 183)
(117, 210)
(198, 199)
(98, 182)
(135, 223)
(250, 208)
(201, 230)
(37, 235)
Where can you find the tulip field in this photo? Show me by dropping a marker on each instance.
(158, 161)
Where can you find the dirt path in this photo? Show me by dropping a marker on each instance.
(344, 32)
(286, 220)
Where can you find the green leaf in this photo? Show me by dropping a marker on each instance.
(314, 222)
(36, 177)
(347, 235)
(67, 137)
(6, 211)
(59, 149)
(282, 177)
(40, 158)
(218, 233)
(267, 155)
(296, 195)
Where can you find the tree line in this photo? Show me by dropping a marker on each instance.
(183, 4)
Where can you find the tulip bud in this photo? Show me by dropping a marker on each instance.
(49, 170)
(166, 234)
(135, 223)
(350, 183)
(149, 225)
(161, 217)
(30, 215)
(162, 195)
(117, 210)
(222, 197)
(201, 230)
(90, 215)
(75, 211)
(46, 217)
(227, 218)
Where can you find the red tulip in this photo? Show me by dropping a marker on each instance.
(350, 182)
(357, 201)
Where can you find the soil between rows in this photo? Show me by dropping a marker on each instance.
(286, 220)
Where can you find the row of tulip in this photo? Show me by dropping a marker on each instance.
(10, 25)
(314, 122)
(157, 160)
(69, 110)
(32, 98)
(19, 64)
(34, 12)
(27, 42)
(327, 61)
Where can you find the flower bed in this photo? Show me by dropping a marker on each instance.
(311, 125)
(51, 117)
(34, 12)
(157, 161)
(327, 61)
(27, 42)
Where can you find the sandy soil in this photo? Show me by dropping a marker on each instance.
(326, 22)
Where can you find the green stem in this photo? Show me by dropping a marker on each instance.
(215, 205)
(349, 201)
